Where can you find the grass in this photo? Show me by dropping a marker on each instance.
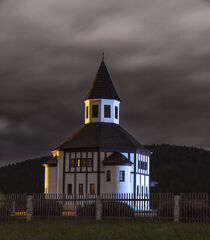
(112, 230)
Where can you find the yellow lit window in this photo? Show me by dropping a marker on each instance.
(92, 188)
(78, 162)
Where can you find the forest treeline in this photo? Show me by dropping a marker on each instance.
(174, 168)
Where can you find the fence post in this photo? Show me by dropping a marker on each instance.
(99, 209)
(29, 207)
(176, 208)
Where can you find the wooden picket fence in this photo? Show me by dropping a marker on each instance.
(186, 207)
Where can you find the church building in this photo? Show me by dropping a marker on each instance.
(101, 157)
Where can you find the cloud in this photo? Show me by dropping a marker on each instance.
(157, 52)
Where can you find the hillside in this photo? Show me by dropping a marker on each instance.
(23, 177)
(175, 168)
(180, 168)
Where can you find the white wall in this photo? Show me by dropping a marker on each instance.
(115, 186)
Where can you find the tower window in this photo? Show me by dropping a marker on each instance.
(122, 176)
(86, 112)
(116, 112)
(107, 111)
(94, 111)
(69, 188)
(92, 188)
(108, 175)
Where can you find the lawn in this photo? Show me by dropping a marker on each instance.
(103, 230)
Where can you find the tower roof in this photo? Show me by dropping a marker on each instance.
(102, 86)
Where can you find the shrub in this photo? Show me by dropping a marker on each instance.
(4, 211)
(166, 209)
(87, 210)
(194, 209)
(47, 208)
(110, 209)
(188, 209)
(117, 209)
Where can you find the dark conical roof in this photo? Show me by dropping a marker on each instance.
(102, 86)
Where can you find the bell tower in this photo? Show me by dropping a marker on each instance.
(102, 103)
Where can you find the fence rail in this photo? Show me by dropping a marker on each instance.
(186, 207)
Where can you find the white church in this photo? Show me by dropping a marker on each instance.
(101, 157)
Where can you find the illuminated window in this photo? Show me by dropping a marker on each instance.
(108, 175)
(92, 188)
(80, 189)
(107, 111)
(78, 162)
(116, 112)
(69, 188)
(86, 112)
(122, 176)
(94, 111)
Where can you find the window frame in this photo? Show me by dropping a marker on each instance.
(78, 162)
(69, 186)
(116, 115)
(73, 162)
(143, 165)
(89, 162)
(142, 191)
(92, 192)
(86, 113)
(138, 190)
(108, 175)
(122, 176)
(95, 111)
(83, 162)
(81, 188)
(107, 111)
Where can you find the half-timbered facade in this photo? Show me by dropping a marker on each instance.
(101, 157)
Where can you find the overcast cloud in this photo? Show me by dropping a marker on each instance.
(158, 54)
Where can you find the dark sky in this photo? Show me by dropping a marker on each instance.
(158, 54)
